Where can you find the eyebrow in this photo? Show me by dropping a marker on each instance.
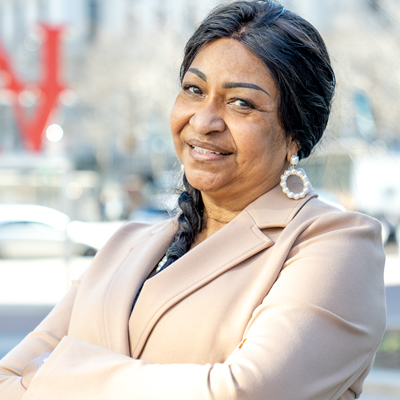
(198, 73)
(229, 85)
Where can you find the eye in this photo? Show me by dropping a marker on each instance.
(192, 89)
(241, 103)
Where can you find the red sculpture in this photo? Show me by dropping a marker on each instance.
(48, 90)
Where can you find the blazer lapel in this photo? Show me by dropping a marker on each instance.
(127, 280)
(234, 243)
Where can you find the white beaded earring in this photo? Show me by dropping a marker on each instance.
(294, 160)
(182, 168)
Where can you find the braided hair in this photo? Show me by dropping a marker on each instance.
(296, 57)
(190, 222)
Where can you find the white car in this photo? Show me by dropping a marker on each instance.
(32, 231)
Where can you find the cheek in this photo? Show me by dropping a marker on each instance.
(177, 122)
(174, 120)
(180, 116)
(265, 146)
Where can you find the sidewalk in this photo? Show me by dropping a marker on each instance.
(39, 281)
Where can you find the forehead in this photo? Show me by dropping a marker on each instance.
(229, 60)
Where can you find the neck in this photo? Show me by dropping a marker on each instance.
(218, 214)
(219, 211)
(215, 217)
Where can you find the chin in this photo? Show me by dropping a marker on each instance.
(205, 182)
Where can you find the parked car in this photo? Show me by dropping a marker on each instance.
(32, 231)
(161, 206)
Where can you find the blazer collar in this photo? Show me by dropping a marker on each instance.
(275, 209)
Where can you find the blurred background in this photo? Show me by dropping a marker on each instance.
(86, 88)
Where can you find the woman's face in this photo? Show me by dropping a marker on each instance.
(225, 124)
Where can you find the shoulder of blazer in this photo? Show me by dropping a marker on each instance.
(319, 219)
(125, 239)
(133, 233)
(275, 210)
(316, 209)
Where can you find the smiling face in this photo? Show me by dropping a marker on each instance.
(225, 125)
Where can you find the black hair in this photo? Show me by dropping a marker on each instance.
(296, 57)
(190, 222)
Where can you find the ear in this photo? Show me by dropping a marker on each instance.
(292, 150)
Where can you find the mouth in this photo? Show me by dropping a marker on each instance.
(205, 151)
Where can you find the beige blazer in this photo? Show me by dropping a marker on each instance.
(286, 302)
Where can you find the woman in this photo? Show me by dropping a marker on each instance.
(263, 293)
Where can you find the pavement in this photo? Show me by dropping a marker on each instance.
(38, 281)
(30, 288)
(18, 320)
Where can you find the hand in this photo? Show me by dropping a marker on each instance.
(31, 368)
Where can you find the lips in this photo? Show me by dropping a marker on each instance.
(204, 151)
(207, 148)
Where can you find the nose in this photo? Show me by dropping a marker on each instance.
(208, 118)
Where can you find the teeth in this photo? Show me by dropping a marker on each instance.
(204, 151)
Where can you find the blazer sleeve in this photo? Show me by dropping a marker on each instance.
(44, 338)
(313, 336)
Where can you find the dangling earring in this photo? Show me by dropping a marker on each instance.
(182, 168)
(294, 160)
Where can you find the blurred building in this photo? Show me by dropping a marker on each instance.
(115, 53)
(120, 64)
(360, 154)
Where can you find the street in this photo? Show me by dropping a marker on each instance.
(28, 291)
(16, 321)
